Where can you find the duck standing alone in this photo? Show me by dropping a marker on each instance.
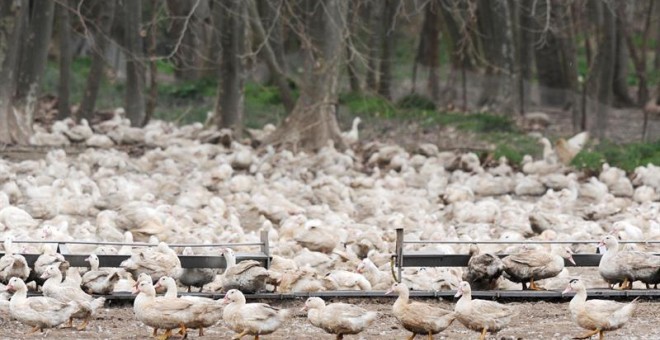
(251, 318)
(481, 315)
(598, 316)
(418, 317)
(338, 318)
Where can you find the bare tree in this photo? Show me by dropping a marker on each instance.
(184, 24)
(34, 53)
(99, 31)
(313, 121)
(495, 28)
(428, 52)
(387, 36)
(135, 70)
(602, 80)
(230, 99)
(63, 91)
(275, 66)
(13, 15)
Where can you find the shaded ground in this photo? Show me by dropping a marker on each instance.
(538, 320)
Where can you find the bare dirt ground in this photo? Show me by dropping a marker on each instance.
(538, 320)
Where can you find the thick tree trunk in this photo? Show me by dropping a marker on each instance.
(34, 51)
(451, 32)
(620, 81)
(495, 28)
(604, 68)
(63, 91)
(351, 49)
(656, 16)
(152, 98)
(135, 62)
(387, 47)
(35, 48)
(277, 74)
(13, 17)
(105, 15)
(313, 122)
(230, 98)
(638, 55)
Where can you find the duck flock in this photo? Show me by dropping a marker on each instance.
(330, 218)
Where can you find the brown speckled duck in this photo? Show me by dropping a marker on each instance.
(481, 315)
(247, 276)
(529, 265)
(597, 316)
(418, 317)
(483, 270)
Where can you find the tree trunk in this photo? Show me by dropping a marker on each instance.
(451, 32)
(13, 17)
(34, 51)
(63, 91)
(429, 48)
(230, 98)
(375, 15)
(638, 55)
(495, 28)
(604, 66)
(351, 49)
(153, 68)
(269, 56)
(656, 16)
(135, 62)
(620, 81)
(313, 121)
(100, 33)
(387, 47)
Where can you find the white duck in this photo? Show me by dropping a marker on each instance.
(418, 317)
(12, 265)
(39, 312)
(598, 316)
(54, 288)
(251, 318)
(378, 279)
(481, 315)
(338, 318)
(210, 311)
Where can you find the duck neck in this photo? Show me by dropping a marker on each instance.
(577, 302)
(20, 294)
(94, 265)
(9, 249)
(402, 300)
(171, 289)
(230, 259)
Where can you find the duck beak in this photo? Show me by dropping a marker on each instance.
(9, 288)
(459, 293)
(389, 292)
(567, 290)
(135, 289)
(304, 308)
(571, 260)
(44, 276)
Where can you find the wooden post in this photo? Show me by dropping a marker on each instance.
(265, 246)
(399, 253)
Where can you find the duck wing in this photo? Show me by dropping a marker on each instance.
(45, 304)
(529, 258)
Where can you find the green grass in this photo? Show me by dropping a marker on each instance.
(624, 156)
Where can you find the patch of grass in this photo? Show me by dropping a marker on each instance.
(205, 87)
(263, 104)
(416, 101)
(624, 156)
(367, 105)
(514, 146)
